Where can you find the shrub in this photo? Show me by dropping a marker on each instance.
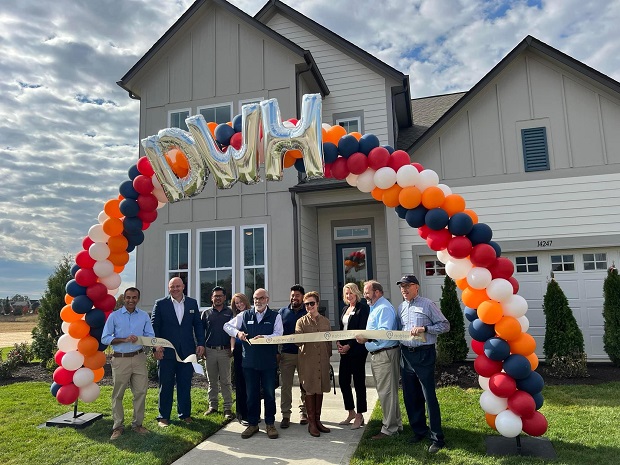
(7, 367)
(611, 315)
(20, 354)
(451, 346)
(574, 366)
(151, 365)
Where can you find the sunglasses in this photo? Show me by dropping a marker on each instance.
(309, 304)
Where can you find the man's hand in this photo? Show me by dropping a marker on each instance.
(343, 349)
(132, 338)
(361, 339)
(260, 336)
(200, 351)
(159, 353)
(417, 330)
(242, 336)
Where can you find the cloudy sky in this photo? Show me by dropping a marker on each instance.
(68, 133)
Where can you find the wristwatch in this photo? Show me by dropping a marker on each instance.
(425, 329)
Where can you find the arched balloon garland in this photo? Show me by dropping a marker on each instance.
(505, 362)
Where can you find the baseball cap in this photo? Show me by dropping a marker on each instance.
(408, 278)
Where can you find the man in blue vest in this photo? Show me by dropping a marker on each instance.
(259, 360)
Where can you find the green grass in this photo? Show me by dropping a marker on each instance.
(583, 428)
(25, 407)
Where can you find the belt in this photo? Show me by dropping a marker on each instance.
(418, 348)
(127, 354)
(219, 347)
(383, 350)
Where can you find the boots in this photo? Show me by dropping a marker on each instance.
(317, 413)
(311, 409)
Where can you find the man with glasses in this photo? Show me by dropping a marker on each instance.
(259, 360)
(218, 352)
(421, 316)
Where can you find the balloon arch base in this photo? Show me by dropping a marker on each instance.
(75, 419)
(525, 446)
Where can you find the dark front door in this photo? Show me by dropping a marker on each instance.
(354, 263)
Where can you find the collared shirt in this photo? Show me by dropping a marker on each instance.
(213, 321)
(422, 312)
(179, 307)
(290, 317)
(121, 324)
(234, 325)
(382, 316)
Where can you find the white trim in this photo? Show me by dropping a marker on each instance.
(249, 100)
(353, 118)
(217, 105)
(189, 259)
(178, 110)
(357, 226)
(242, 253)
(232, 260)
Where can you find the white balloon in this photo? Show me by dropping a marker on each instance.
(352, 179)
(407, 175)
(446, 189)
(443, 256)
(66, 343)
(492, 404)
(483, 381)
(428, 178)
(72, 360)
(508, 424)
(90, 392)
(99, 251)
(83, 377)
(111, 282)
(102, 217)
(156, 183)
(326, 126)
(385, 177)
(288, 124)
(103, 268)
(65, 327)
(113, 292)
(161, 205)
(515, 306)
(479, 277)
(366, 180)
(161, 196)
(499, 289)
(457, 268)
(524, 322)
(96, 233)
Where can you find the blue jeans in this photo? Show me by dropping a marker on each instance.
(418, 379)
(254, 379)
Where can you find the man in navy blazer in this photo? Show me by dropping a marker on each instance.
(176, 318)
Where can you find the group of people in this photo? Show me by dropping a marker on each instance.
(221, 332)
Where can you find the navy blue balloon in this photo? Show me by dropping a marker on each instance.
(532, 383)
(471, 314)
(437, 219)
(132, 225)
(401, 211)
(368, 142)
(134, 238)
(236, 122)
(348, 145)
(415, 216)
(74, 289)
(74, 269)
(389, 148)
(539, 399)
(330, 152)
(498, 249)
(129, 207)
(517, 366)
(133, 172)
(460, 224)
(481, 331)
(496, 349)
(130, 248)
(299, 165)
(102, 347)
(126, 190)
(223, 133)
(95, 318)
(96, 333)
(480, 233)
(81, 304)
(54, 388)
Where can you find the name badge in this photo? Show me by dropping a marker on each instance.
(191, 311)
(251, 322)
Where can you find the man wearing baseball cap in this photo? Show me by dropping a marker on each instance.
(420, 316)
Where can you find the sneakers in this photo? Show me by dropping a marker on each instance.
(249, 431)
(228, 415)
(140, 429)
(434, 448)
(210, 411)
(116, 434)
(272, 432)
(285, 423)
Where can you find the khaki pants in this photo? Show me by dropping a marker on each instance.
(129, 372)
(288, 365)
(218, 369)
(386, 370)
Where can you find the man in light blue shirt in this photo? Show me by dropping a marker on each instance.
(121, 331)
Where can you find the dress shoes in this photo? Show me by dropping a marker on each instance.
(163, 423)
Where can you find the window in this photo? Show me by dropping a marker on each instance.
(178, 254)
(527, 264)
(562, 262)
(535, 151)
(434, 268)
(357, 232)
(594, 261)
(248, 101)
(254, 258)
(176, 119)
(217, 113)
(215, 262)
(350, 124)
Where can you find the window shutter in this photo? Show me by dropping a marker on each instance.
(535, 152)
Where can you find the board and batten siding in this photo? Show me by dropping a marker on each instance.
(309, 247)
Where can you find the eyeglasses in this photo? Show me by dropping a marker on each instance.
(309, 304)
(218, 296)
(406, 285)
(260, 298)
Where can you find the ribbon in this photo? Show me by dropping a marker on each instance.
(158, 341)
(338, 336)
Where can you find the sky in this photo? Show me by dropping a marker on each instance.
(68, 133)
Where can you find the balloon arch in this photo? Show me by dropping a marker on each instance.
(177, 166)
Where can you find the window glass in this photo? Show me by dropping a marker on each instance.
(177, 119)
(215, 264)
(254, 258)
(218, 114)
(563, 262)
(593, 261)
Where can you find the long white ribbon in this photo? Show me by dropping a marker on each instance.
(158, 341)
(339, 336)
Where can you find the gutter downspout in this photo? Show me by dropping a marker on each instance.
(295, 236)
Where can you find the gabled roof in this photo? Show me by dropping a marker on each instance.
(530, 43)
(178, 25)
(276, 6)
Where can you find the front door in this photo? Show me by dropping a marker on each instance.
(354, 263)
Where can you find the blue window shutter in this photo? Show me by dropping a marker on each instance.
(535, 151)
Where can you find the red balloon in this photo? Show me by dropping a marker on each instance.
(378, 158)
(438, 240)
(459, 247)
(536, 425)
(418, 167)
(147, 216)
(106, 304)
(68, 394)
(86, 277)
(423, 231)
(96, 292)
(327, 170)
(63, 376)
(293, 120)
(144, 166)
(501, 268)
(147, 202)
(502, 385)
(477, 347)
(58, 357)
(236, 140)
(486, 367)
(522, 403)
(357, 163)
(84, 260)
(398, 158)
(87, 242)
(482, 255)
(339, 168)
(143, 184)
(515, 284)
(145, 225)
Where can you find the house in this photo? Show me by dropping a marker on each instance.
(533, 148)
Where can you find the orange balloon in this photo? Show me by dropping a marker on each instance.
(112, 226)
(295, 153)
(95, 361)
(473, 215)
(335, 133)
(377, 194)
(229, 123)
(490, 419)
(508, 328)
(68, 299)
(79, 329)
(324, 134)
(474, 297)
(67, 314)
(524, 344)
(99, 372)
(288, 160)
(112, 209)
(453, 204)
(212, 125)
(119, 258)
(433, 197)
(391, 196)
(357, 135)
(88, 346)
(533, 359)
(461, 283)
(490, 312)
(178, 162)
(410, 197)
(119, 269)
(117, 243)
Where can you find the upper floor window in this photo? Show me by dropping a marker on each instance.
(178, 254)
(248, 101)
(535, 149)
(594, 261)
(215, 262)
(220, 114)
(176, 118)
(254, 258)
(350, 124)
(527, 264)
(563, 262)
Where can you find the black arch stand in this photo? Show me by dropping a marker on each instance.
(526, 446)
(75, 419)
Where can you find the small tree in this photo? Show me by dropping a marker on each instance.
(451, 346)
(611, 315)
(45, 335)
(6, 306)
